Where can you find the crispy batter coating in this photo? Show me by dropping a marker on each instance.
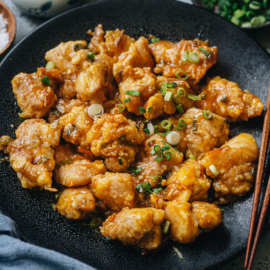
(32, 154)
(188, 176)
(74, 170)
(95, 81)
(75, 203)
(236, 162)
(169, 55)
(33, 97)
(184, 227)
(137, 226)
(138, 55)
(76, 125)
(225, 98)
(62, 55)
(208, 215)
(115, 190)
(138, 79)
(115, 137)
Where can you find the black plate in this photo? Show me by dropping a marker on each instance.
(240, 59)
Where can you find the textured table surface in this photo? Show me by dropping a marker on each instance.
(25, 24)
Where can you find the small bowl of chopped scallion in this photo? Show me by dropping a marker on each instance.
(244, 13)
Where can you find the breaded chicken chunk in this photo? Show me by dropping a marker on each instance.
(140, 80)
(225, 98)
(75, 203)
(34, 97)
(115, 138)
(171, 59)
(32, 154)
(138, 226)
(73, 170)
(189, 177)
(138, 55)
(234, 168)
(114, 190)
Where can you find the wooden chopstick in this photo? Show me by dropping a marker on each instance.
(259, 177)
(261, 222)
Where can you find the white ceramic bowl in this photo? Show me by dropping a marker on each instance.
(45, 8)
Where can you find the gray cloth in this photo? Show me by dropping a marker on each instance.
(16, 254)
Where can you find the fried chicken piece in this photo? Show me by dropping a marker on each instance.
(200, 135)
(189, 177)
(32, 154)
(62, 55)
(74, 170)
(63, 106)
(75, 203)
(76, 125)
(138, 55)
(184, 227)
(113, 43)
(169, 55)
(138, 226)
(95, 81)
(115, 190)
(236, 162)
(225, 98)
(34, 97)
(115, 138)
(138, 79)
(208, 215)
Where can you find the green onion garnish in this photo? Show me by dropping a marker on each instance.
(183, 72)
(50, 65)
(171, 85)
(168, 96)
(206, 53)
(166, 124)
(91, 56)
(207, 114)
(159, 156)
(156, 129)
(146, 130)
(166, 228)
(126, 100)
(214, 170)
(168, 155)
(149, 109)
(135, 170)
(157, 190)
(192, 157)
(186, 55)
(157, 148)
(133, 93)
(163, 88)
(180, 108)
(194, 57)
(78, 47)
(45, 80)
(175, 149)
(121, 108)
(193, 97)
(178, 253)
(223, 99)
(154, 40)
(181, 124)
(181, 92)
(194, 122)
(165, 134)
(142, 110)
(157, 176)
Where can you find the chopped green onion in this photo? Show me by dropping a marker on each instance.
(91, 56)
(180, 108)
(156, 129)
(235, 20)
(121, 108)
(159, 157)
(157, 190)
(181, 92)
(239, 13)
(151, 129)
(133, 93)
(157, 176)
(206, 53)
(146, 130)
(166, 124)
(186, 55)
(193, 97)
(254, 5)
(78, 47)
(149, 109)
(194, 57)
(192, 157)
(168, 96)
(207, 114)
(223, 99)
(165, 148)
(154, 40)
(165, 134)
(171, 85)
(173, 138)
(126, 100)
(50, 65)
(178, 253)
(257, 21)
(214, 170)
(246, 24)
(222, 211)
(175, 149)
(142, 110)
(95, 110)
(181, 124)
(179, 77)
(157, 148)
(194, 122)
(163, 88)
(166, 228)
(45, 80)
(135, 170)
(54, 207)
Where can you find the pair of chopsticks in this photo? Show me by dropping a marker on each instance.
(252, 245)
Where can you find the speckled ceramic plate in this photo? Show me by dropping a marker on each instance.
(240, 59)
